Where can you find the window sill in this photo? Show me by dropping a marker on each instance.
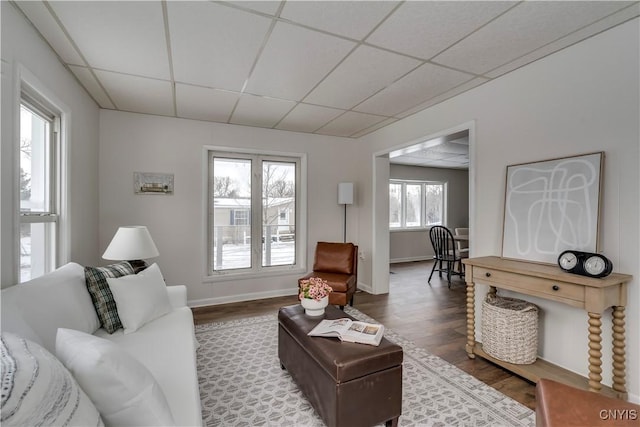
(226, 277)
(403, 230)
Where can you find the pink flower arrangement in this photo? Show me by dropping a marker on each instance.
(314, 288)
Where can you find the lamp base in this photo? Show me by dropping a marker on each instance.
(138, 265)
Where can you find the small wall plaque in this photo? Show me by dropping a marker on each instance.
(152, 183)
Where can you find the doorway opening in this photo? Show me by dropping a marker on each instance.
(446, 158)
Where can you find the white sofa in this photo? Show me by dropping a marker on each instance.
(166, 346)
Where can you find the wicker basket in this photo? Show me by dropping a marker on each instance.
(510, 329)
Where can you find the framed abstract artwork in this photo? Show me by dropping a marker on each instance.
(551, 206)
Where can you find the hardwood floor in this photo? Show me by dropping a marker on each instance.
(434, 317)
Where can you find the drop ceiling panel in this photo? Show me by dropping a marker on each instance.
(308, 118)
(201, 103)
(126, 37)
(522, 29)
(39, 15)
(214, 45)
(588, 31)
(364, 72)
(374, 127)
(424, 29)
(92, 86)
(448, 94)
(286, 69)
(420, 85)
(139, 94)
(268, 7)
(354, 19)
(260, 111)
(349, 123)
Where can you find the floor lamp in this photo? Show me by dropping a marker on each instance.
(345, 197)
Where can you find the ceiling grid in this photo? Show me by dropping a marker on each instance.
(335, 68)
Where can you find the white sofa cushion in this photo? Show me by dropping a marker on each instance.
(167, 348)
(140, 298)
(42, 305)
(123, 390)
(38, 390)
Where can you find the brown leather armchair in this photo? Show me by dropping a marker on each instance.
(560, 405)
(337, 263)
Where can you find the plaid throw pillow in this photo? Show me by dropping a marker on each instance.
(96, 278)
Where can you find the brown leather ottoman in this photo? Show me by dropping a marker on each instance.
(347, 384)
(560, 405)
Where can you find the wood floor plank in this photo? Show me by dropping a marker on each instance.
(433, 316)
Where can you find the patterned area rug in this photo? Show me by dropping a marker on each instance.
(241, 383)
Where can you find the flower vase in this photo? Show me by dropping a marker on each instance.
(314, 308)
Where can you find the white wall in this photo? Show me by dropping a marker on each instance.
(25, 53)
(415, 245)
(142, 143)
(582, 99)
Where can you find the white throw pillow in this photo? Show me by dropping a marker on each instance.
(122, 388)
(55, 300)
(140, 298)
(38, 390)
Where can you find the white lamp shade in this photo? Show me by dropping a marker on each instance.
(345, 193)
(131, 243)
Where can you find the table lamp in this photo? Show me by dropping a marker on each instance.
(132, 244)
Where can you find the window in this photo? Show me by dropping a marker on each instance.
(252, 213)
(39, 204)
(416, 204)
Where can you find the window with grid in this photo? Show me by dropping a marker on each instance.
(416, 204)
(256, 189)
(38, 182)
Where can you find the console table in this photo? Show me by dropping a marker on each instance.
(550, 282)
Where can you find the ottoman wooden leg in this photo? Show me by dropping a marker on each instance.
(393, 422)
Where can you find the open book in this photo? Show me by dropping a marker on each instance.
(350, 331)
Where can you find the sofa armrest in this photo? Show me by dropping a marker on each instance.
(177, 295)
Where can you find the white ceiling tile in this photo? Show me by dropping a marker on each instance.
(354, 19)
(40, 16)
(268, 7)
(603, 24)
(374, 127)
(286, 69)
(93, 87)
(449, 94)
(522, 29)
(260, 111)
(308, 118)
(201, 103)
(420, 85)
(349, 123)
(120, 36)
(425, 28)
(364, 72)
(214, 45)
(138, 94)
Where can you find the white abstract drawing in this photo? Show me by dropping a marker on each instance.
(551, 206)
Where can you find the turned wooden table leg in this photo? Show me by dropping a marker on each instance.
(595, 355)
(618, 351)
(471, 319)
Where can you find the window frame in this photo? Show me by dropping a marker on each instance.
(256, 270)
(423, 212)
(51, 215)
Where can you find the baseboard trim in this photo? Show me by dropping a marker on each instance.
(242, 297)
(257, 296)
(410, 259)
